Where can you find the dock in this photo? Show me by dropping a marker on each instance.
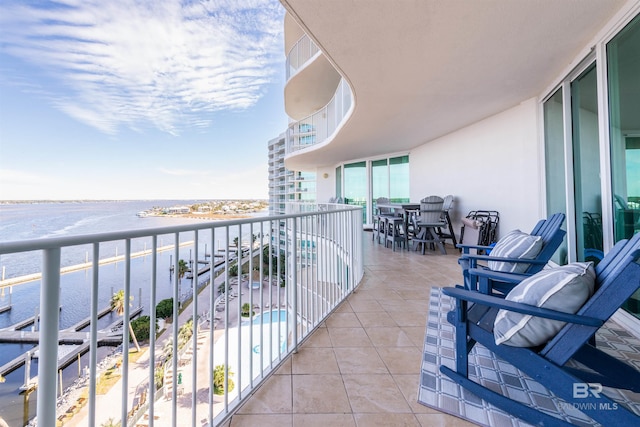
(23, 324)
(69, 336)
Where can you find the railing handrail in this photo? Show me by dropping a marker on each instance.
(85, 239)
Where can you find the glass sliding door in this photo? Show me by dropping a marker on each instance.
(379, 181)
(379, 178)
(355, 186)
(339, 182)
(399, 179)
(555, 169)
(623, 66)
(586, 166)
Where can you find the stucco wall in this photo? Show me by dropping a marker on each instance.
(325, 187)
(491, 165)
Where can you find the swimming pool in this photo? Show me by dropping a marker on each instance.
(276, 316)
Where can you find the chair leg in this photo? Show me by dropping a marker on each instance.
(435, 239)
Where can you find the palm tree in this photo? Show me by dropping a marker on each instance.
(183, 267)
(117, 305)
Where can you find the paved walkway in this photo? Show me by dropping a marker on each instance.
(109, 405)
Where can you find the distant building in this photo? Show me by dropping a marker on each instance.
(286, 186)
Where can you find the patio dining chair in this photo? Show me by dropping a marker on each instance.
(428, 222)
(447, 232)
(380, 219)
(540, 335)
(514, 257)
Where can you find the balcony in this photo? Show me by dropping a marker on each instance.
(319, 127)
(361, 366)
(301, 52)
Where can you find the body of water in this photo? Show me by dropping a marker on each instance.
(24, 221)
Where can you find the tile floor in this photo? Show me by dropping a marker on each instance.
(361, 366)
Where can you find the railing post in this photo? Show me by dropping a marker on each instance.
(49, 316)
(294, 284)
(93, 333)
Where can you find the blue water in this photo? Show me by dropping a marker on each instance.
(42, 220)
(275, 315)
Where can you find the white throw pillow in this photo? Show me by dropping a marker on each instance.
(515, 244)
(565, 288)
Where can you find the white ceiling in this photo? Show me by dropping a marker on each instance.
(421, 69)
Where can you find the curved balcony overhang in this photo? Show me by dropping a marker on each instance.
(310, 88)
(292, 32)
(458, 63)
(308, 137)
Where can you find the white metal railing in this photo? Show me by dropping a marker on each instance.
(288, 271)
(319, 126)
(301, 52)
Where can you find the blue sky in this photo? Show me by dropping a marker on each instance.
(139, 99)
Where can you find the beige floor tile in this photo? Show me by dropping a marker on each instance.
(374, 394)
(360, 360)
(343, 320)
(416, 334)
(274, 396)
(345, 307)
(349, 337)
(360, 304)
(386, 420)
(408, 385)
(401, 360)
(285, 368)
(389, 337)
(315, 360)
(319, 394)
(323, 420)
(262, 420)
(319, 338)
(409, 318)
(373, 318)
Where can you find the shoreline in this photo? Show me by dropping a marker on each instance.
(211, 216)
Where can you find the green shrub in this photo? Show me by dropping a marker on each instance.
(159, 377)
(221, 288)
(233, 270)
(164, 309)
(218, 380)
(246, 310)
(140, 327)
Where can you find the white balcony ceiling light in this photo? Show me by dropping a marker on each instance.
(420, 69)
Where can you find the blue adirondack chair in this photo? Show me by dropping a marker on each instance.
(617, 278)
(552, 235)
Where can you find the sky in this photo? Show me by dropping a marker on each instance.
(139, 99)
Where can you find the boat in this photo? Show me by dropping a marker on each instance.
(142, 214)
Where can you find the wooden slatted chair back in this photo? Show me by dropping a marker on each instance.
(616, 280)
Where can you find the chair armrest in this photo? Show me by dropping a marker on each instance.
(491, 301)
(498, 275)
(465, 248)
(501, 259)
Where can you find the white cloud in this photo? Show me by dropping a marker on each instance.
(167, 64)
